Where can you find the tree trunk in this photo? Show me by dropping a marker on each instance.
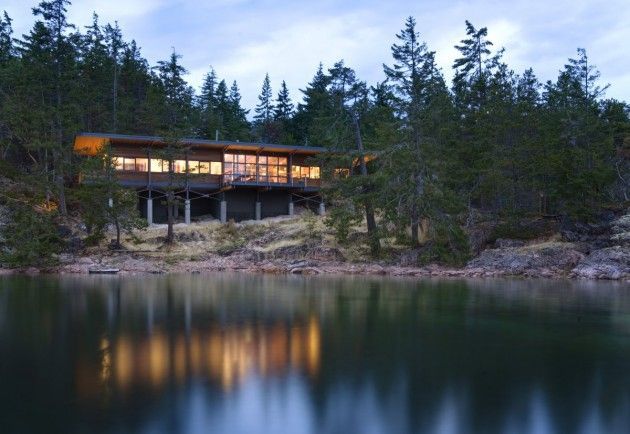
(170, 218)
(117, 224)
(415, 222)
(375, 244)
(61, 190)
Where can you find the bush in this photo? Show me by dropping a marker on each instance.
(448, 245)
(31, 238)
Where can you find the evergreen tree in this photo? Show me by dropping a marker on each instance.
(237, 124)
(210, 122)
(283, 113)
(264, 113)
(425, 111)
(316, 105)
(178, 95)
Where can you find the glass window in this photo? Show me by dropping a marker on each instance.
(180, 166)
(241, 158)
(193, 166)
(142, 164)
(251, 159)
(295, 171)
(315, 172)
(272, 161)
(262, 159)
(204, 167)
(129, 164)
(215, 168)
(118, 163)
(304, 172)
(282, 161)
(156, 165)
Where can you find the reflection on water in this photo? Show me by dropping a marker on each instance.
(232, 353)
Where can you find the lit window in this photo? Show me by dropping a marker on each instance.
(156, 165)
(193, 167)
(315, 172)
(204, 167)
(180, 166)
(304, 172)
(215, 168)
(118, 163)
(142, 164)
(129, 164)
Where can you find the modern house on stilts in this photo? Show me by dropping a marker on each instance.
(228, 180)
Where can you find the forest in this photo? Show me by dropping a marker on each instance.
(427, 158)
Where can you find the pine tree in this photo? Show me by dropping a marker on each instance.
(54, 51)
(237, 124)
(424, 107)
(115, 45)
(210, 122)
(6, 39)
(316, 105)
(264, 113)
(284, 107)
(178, 95)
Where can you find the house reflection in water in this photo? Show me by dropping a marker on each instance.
(224, 355)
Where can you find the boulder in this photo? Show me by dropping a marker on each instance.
(608, 263)
(544, 259)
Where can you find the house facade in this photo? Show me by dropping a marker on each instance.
(225, 180)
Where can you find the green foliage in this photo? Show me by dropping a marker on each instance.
(448, 244)
(493, 140)
(341, 219)
(31, 237)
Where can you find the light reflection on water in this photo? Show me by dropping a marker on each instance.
(240, 354)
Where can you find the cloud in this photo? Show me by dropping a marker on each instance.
(244, 39)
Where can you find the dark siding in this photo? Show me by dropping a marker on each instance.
(274, 203)
(241, 204)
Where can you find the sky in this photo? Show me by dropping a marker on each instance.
(244, 39)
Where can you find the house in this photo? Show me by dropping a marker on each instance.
(228, 180)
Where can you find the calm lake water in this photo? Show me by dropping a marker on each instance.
(226, 353)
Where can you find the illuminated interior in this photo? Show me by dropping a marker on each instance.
(236, 167)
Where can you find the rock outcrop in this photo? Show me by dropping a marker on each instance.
(608, 263)
(545, 260)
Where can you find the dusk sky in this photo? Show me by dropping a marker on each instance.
(244, 39)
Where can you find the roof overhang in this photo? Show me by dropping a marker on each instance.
(91, 143)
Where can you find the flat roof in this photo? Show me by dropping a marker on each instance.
(88, 143)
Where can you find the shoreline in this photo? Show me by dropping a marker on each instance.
(132, 265)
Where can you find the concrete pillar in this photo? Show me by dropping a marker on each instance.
(150, 211)
(110, 202)
(291, 211)
(187, 211)
(258, 210)
(322, 208)
(223, 211)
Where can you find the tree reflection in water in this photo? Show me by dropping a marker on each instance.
(291, 354)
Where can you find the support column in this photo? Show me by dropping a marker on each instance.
(258, 210)
(150, 211)
(223, 211)
(110, 202)
(187, 211)
(291, 210)
(322, 208)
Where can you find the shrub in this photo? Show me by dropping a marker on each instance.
(31, 238)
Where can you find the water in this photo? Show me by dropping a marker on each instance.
(258, 354)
